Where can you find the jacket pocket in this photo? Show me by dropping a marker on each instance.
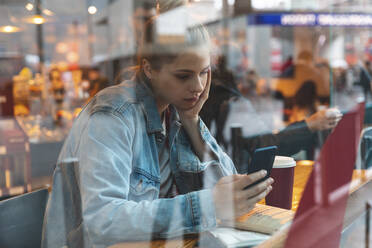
(142, 187)
(203, 178)
(189, 181)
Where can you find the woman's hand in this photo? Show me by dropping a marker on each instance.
(322, 121)
(233, 200)
(193, 113)
(190, 121)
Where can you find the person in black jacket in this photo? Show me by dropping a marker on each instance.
(223, 90)
(301, 135)
(365, 79)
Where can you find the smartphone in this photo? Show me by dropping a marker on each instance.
(262, 159)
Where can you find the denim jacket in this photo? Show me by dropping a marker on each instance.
(115, 140)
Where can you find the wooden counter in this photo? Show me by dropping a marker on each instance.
(361, 186)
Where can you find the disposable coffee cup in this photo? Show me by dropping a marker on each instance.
(283, 175)
(334, 113)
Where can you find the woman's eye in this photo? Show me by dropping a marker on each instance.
(183, 77)
(204, 72)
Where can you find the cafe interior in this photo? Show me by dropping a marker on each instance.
(290, 93)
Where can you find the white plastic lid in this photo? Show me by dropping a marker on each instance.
(284, 162)
(333, 112)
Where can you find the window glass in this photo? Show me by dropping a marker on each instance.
(101, 99)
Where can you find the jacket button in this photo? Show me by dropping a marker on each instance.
(159, 138)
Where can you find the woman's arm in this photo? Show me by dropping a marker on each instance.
(290, 140)
(297, 136)
(191, 127)
(105, 155)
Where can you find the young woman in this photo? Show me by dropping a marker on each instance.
(148, 166)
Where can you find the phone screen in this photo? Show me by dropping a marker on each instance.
(263, 159)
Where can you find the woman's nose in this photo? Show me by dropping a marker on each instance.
(198, 85)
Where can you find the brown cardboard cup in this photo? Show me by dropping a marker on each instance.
(283, 175)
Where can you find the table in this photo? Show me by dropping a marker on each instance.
(361, 179)
(360, 191)
(175, 243)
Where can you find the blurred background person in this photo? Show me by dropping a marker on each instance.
(143, 11)
(97, 81)
(223, 90)
(307, 70)
(287, 69)
(249, 87)
(219, 113)
(365, 79)
(304, 102)
(57, 85)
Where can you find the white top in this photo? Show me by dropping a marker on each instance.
(284, 162)
(166, 178)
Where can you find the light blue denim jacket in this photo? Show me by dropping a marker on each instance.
(115, 140)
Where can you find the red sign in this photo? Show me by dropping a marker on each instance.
(319, 218)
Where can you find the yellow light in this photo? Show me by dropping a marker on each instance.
(38, 19)
(29, 6)
(61, 47)
(305, 162)
(9, 29)
(72, 57)
(92, 10)
(8, 179)
(48, 12)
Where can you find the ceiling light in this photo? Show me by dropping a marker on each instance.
(35, 19)
(38, 19)
(92, 10)
(9, 29)
(29, 6)
(48, 12)
(7, 21)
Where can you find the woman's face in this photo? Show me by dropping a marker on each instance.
(183, 81)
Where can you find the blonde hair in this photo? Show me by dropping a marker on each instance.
(160, 49)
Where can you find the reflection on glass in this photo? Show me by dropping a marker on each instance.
(284, 79)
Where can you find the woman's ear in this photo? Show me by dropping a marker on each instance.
(147, 68)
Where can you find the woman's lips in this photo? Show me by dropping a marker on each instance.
(192, 99)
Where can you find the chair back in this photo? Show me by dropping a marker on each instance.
(63, 223)
(366, 148)
(21, 219)
(368, 114)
